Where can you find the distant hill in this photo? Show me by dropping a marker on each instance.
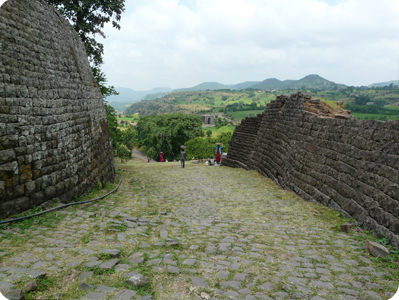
(243, 85)
(130, 96)
(271, 84)
(206, 86)
(155, 96)
(119, 107)
(310, 81)
(145, 108)
(315, 82)
(382, 84)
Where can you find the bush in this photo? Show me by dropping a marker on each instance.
(123, 152)
(209, 133)
(205, 147)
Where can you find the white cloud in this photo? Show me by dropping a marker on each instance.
(183, 43)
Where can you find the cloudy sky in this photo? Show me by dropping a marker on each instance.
(181, 43)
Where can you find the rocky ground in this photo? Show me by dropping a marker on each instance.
(195, 233)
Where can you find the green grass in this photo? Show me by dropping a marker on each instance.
(333, 104)
(218, 131)
(362, 116)
(239, 115)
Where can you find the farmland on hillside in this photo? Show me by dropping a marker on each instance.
(238, 104)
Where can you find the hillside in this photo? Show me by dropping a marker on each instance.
(387, 83)
(202, 101)
(308, 82)
(315, 82)
(145, 108)
(127, 95)
(206, 86)
(243, 85)
(271, 84)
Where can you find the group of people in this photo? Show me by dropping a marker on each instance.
(212, 161)
(218, 156)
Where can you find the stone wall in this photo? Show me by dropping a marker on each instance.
(54, 134)
(242, 143)
(349, 165)
(208, 119)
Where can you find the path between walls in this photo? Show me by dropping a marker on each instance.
(221, 231)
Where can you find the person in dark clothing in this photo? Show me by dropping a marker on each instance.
(182, 158)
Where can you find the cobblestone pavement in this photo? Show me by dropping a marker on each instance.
(194, 233)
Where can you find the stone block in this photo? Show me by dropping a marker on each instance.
(375, 249)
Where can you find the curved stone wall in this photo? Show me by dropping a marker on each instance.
(242, 143)
(54, 134)
(349, 165)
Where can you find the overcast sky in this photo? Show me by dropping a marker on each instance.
(181, 43)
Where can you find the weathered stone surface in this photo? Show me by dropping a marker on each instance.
(37, 274)
(346, 227)
(109, 264)
(375, 249)
(54, 133)
(94, 296)
(114, 253)
(85, 286)
(125, 295)
(105, 289)
(137, 280)
(199, 282)
(30, 286)
(13, 294)
(325, 155)
(189, 262)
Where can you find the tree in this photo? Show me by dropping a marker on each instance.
(88, 17)
(123, 152)
(167, 133)
(205, 147)
(209, 133)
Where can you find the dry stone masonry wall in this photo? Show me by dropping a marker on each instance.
(54, 134)
(349, 165)
(242, 143)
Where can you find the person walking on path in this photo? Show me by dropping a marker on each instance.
(218, 152)
(182, 157)
(161, 157)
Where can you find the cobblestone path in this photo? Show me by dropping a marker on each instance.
(194, 233)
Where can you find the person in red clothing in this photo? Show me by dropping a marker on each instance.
(218, 152)
(161, 157)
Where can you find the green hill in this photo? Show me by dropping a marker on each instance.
(315, 82)
(387, 83)
(244, 85)
(130, 96)
(206, 86)
(145, 108)
(271, 84)
(308, 82)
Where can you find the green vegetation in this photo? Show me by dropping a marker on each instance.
(371, 108)
(123, 152)
(381, 117)
(204, 102)
(239, 115)
(205, 147)
(214, 131)
(167, 133)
